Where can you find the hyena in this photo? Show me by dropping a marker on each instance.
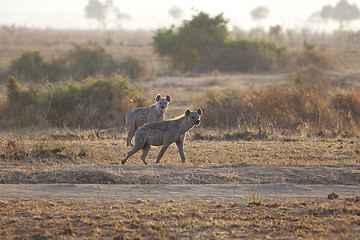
(139, 116)
(164, 133)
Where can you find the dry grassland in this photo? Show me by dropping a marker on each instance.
(91, 157)
(84, 157)
(180, 219)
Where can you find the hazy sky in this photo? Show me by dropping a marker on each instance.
(146, 14)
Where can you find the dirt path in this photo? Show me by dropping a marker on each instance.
(130, 191)
(185, 174)
(137, 181)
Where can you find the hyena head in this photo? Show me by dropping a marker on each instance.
(193, 117)
(162, 103)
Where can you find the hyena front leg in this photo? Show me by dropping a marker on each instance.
(180, 145)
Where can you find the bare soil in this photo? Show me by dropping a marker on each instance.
(186, 174)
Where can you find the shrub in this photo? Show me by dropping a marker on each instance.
(90, 61)
(202, 45)
(196, 45)
(348, 107)
(101, 103)
(288, 108)
(30, 65)
(223, 108)
(133, 68)
(79, 63)
(23, 105)
(247, 55)
(310, 55)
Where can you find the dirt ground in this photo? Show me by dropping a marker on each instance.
(157, 192)
(191, 181)
(229, 201)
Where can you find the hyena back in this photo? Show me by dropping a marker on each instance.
(140, 116)
(164, 133)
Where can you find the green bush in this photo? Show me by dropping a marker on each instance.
(90, 61)
(24, 105)
(195, 45)
(83, 61)
(101, 103)
(247, 55)
(202, 45)
(30, 65)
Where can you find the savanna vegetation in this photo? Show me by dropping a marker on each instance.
(271, 100)
(88, 87)
(83, 61)
(99, 103)
(203, 44)
(179, 219)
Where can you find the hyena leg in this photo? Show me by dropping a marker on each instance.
(131, 129)
(180, 145)
(161, 153)
(145, 152)
(136, 148)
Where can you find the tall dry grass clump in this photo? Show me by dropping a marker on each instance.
(93, 103)
(306, 103)
(275, 108)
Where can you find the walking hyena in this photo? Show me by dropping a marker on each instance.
(139, 116)
(164, 133)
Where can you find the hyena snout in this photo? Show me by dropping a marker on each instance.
(163, 105)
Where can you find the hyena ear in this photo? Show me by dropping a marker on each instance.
(168, 98)
(199, 111)
(157, 97)
(187, 112)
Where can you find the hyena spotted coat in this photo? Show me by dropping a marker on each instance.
(164, 133)
(139, 116)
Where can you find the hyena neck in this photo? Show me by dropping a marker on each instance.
(185, 125)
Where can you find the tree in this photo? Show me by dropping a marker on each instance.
(259, 13)
(176, 12)
(342, 12)
(202, 45)
(104, 13)
(195, 45)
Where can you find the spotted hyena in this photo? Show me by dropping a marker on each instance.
(164, 133)
(139, 116)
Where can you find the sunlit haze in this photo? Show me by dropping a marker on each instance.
(150, 15)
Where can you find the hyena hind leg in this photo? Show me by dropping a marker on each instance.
(130, 153)
(131, 129)
(145, 152)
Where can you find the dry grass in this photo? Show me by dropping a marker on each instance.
(28, 156)
(107, 147)
(94, 157)
(179, 219)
